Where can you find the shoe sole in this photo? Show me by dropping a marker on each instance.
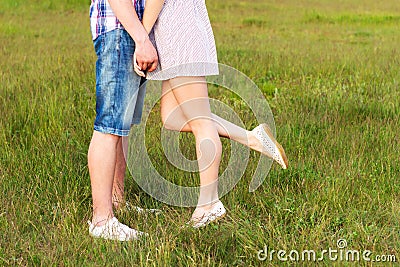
(213, 221)
(218, 218)
(279, 146)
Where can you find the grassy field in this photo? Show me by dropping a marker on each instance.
(330, 70)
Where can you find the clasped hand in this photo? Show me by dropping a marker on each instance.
(145, 58)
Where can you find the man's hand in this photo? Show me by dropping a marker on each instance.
(145, 56)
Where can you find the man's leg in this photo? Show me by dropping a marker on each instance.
(116, 93)
(118, 196)
(102, 158)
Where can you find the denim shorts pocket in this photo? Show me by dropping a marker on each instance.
(99, 45)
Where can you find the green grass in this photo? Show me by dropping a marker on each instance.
(353, 18)
(331, 74)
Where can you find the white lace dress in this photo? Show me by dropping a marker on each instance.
(184, 40)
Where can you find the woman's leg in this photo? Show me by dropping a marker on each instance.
(191, 94)
(173, 119)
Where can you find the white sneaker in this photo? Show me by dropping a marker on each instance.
(114, 230)
(217, 212)
(271, 147)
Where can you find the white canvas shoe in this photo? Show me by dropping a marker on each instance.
(114, 230)
(217, 212)
(271, 147)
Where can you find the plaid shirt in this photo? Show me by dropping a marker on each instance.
(102, 18)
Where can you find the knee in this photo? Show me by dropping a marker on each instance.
(211, 149)
(206, 130)
(218, 148)
(105, 137)
(112, 138)
(203, 127)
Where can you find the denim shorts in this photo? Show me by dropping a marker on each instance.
(119, 94)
